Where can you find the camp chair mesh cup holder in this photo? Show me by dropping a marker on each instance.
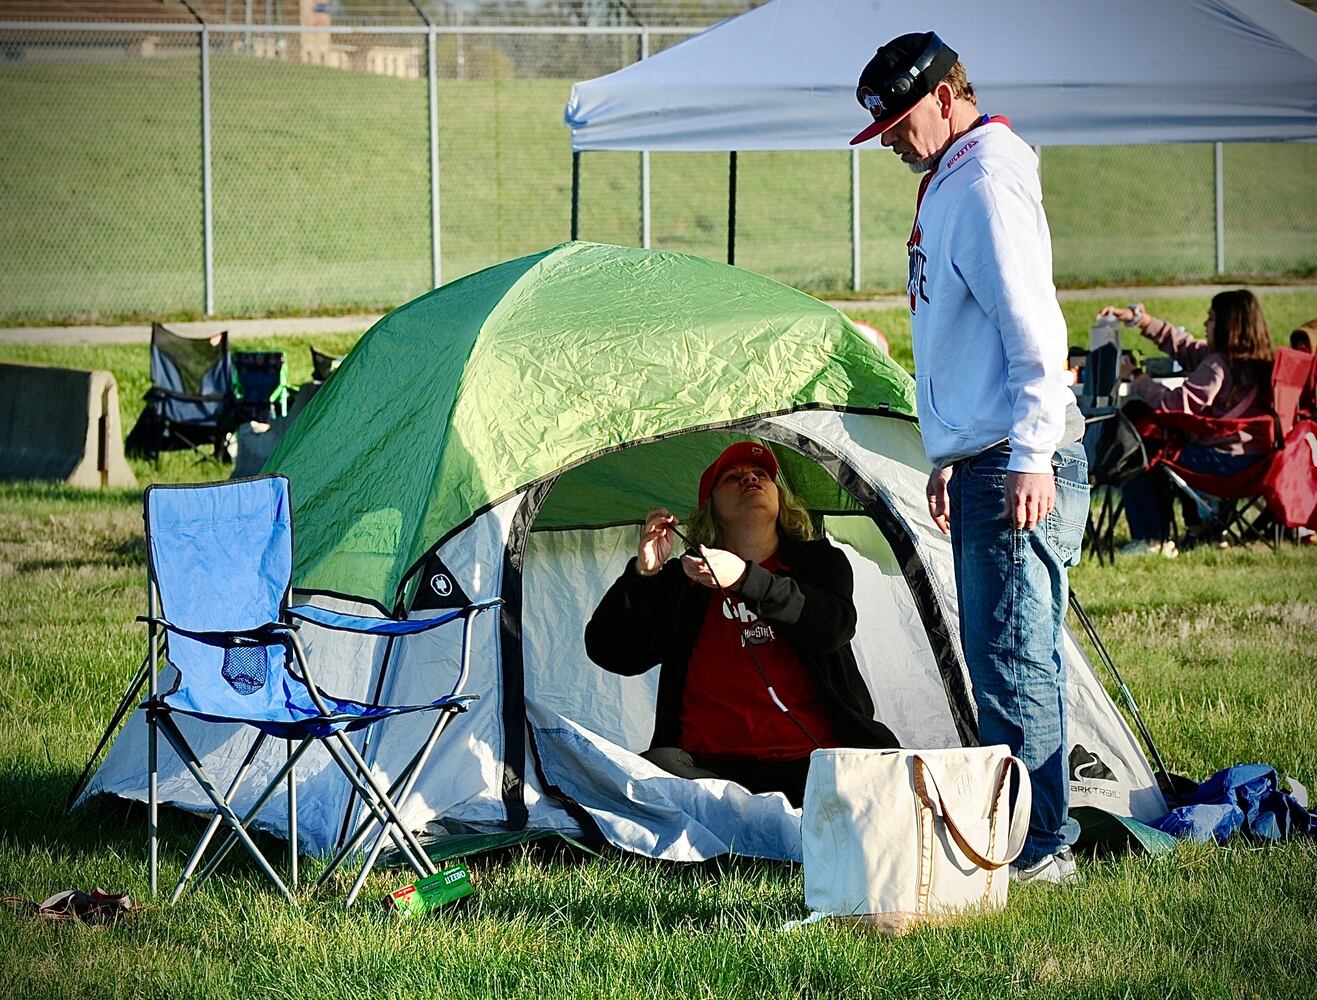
(219, 666)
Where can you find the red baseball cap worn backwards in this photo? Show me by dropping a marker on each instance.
(750, 452)
(901, 74)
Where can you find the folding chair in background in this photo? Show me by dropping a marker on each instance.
(260, 381)
(1239, 513)
(1107, 446)
(323, 365)
(1274, 494)
(190, 402)
(1116, 454)
(220, 560)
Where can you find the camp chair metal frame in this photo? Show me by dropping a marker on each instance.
(328, 727)
(1100, 526)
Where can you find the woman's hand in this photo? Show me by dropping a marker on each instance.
(1127, 314)
(655, 542)
(728, 567)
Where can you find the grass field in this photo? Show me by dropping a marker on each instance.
(321, 193)
(1217, 646)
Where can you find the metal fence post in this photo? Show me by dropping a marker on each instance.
(1219, 183)
(855, 220)
(432, 73)
(576, 194)
(731, 207)
(207, 209)
(644, 164)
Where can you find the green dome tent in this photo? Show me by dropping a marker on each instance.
(488, 385)
(502, 436)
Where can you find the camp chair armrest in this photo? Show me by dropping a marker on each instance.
(367, 625)
(265, 634)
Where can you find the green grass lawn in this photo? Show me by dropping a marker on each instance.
(321, 192)
(1217, 646)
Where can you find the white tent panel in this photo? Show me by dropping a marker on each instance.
(889, 454)
(1107, 767)
(641, 808)
(463, 779)
(892, 650)
(1071, 72)
(566, 574)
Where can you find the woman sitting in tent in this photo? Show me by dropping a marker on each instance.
(1229, 376)
(751, 684)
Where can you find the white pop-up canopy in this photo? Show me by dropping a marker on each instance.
(1066, 72)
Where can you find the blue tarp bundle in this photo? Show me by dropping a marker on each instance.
(1245, 797)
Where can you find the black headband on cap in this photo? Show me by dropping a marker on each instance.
(899, 76)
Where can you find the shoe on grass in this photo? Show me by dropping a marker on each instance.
(1142, 547)
(1057, 869)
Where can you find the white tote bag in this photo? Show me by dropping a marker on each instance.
(896, 837)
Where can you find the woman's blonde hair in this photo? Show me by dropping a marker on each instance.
(793, 520)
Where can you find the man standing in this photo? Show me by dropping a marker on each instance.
(1000, 426)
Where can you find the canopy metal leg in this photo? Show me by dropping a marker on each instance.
(576, 194)
(731, 207)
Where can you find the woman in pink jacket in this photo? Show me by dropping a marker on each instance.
(1229, 376)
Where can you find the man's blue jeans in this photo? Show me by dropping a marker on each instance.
(1012, 591)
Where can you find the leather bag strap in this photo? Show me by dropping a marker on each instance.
(1019, 817)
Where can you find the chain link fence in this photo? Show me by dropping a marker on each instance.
(317, 189)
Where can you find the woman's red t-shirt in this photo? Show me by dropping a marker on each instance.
(727, 711)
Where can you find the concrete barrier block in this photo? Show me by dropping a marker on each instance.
(61, 424)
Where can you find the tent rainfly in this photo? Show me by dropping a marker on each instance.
(502, 436)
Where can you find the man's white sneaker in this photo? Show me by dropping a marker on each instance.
(1058, 868)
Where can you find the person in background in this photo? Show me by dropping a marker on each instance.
(1229, 377)
(1302, 337)
(728, 667)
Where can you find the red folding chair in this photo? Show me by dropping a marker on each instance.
(1290, 484)
(1239, 514)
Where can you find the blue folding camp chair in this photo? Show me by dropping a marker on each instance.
(220, 561)
(190, 402)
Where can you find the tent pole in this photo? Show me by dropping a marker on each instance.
(731, 207)
(1128, 695)
(576, 194)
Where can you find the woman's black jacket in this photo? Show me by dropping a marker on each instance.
(643, 620)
